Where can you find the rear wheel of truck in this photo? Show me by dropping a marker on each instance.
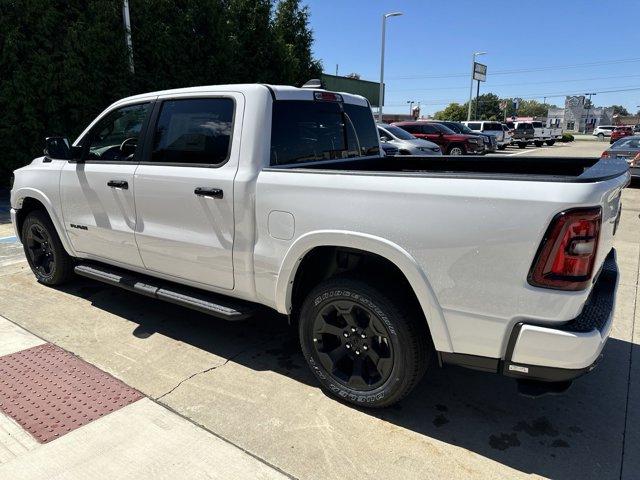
(455, 150)
(501, 147)
(538, 143)
(47, 257)
(522, 145)
(551, 142)
(365, 345)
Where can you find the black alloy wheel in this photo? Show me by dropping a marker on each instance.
(38, 247)
(48, 260)
(352, 344)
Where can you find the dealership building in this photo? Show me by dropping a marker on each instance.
(574, 116)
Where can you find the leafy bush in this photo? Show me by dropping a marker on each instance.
(63, 61)
(567, 137)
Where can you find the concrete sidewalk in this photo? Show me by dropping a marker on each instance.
(143, 440)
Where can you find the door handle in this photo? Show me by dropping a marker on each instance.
(208, 192)
(118, 184)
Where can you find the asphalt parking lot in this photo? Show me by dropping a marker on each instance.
(247, 383)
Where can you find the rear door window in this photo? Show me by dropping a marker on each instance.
(474, 125)
(194, 131)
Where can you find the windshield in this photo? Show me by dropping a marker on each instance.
(399, 133)
(304, 131)
(631, 143)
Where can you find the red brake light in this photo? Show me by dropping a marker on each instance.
(327, 96)
(605, 154)
(567, 254)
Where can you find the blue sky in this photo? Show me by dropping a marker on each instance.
(437, 38)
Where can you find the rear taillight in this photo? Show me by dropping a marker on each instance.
(567, 254)
(605, 154)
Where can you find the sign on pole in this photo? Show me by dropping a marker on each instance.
(479, 72)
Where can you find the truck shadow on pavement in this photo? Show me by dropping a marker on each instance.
(579, 434)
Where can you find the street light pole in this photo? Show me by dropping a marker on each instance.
(586, 120)
(473, 63)
(410, 102)
(384, 22)
(127, 32)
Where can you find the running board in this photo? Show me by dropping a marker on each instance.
(200, 300)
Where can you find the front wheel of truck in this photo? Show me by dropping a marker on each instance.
(45, 254)
(365, 345)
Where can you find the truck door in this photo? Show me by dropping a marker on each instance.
(184, 188)
(97, 190)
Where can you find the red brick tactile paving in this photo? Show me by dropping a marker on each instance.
(50, 392)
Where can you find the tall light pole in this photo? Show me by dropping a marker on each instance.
(410, 102)
(127, 32)
(586, 120)
(473, 62)
(384, 22)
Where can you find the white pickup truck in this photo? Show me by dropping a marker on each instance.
(543, 134)
(229, 199)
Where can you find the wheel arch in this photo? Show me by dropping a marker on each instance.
(28, 200)
(368, 244)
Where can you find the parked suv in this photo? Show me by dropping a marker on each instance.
(490, 144)
(489, 128)
(407, 144)
(449, 141)
(602, 131)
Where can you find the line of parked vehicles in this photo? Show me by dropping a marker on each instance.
(437, 137)
(615, 132)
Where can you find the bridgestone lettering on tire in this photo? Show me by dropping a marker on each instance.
(365, 345)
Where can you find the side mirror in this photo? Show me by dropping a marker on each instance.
(57, 147)
(384, 138)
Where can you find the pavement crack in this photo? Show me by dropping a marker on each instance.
(206, 370)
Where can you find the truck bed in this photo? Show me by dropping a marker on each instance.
(545, 169)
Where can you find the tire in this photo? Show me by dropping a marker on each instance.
(455, 150)
(502, 147)
(601, 137)
(341, 319)
(522, 145)
(538, 143)
(45, 254)
(551, 142)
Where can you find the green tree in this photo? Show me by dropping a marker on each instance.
(620, 110)
(64, 61)
(453, 111)
(294, 40)
(488, 107)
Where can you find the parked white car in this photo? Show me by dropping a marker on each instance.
(602, 131)
(235, 198)
(406, 143)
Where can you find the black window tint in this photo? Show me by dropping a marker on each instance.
(304, 131)
(115, 136)
(474, 126)
(492, 127)
(411, 128)
(194, 131)
(365, 129)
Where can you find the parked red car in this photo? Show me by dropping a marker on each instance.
(450, 143)
(620, 132)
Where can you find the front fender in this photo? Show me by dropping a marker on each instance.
(373, 244)
(17, 199)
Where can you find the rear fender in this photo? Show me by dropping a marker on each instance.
(373, 244)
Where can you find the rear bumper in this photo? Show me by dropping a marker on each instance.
(559, 354)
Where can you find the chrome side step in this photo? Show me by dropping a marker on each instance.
(200, 300)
